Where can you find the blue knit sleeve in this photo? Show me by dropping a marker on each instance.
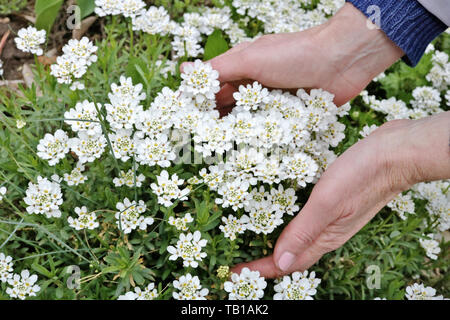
(406, 22)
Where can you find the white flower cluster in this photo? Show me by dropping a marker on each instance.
(189, 288)
(430, 246)
(248, 285)
(77, 56)
(418, 291)
(75, 177)
(149, 293)
(181, 223)
(439, 74)
(85, 219)
(297, 286)
(20, 285)
(129, 217)
(53, 147)
(6, 267)
(128, 179)
(287, 16)
(437, 194)
(189, 248)
(44, 197)
(168, 189)
(30, 40)
(402, 204)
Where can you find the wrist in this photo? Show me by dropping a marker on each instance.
(358, 48)
(429, 141)
(414, 151)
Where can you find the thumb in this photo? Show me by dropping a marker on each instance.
(301, 233)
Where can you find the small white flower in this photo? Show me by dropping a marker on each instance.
(53, 147)
(232, 226)
(167, 189)
(189, 288)
(149, 293)
(6, 267)
(300, 167)
(181, 222)
(85, 219)
(2, 193)
(284, 199)
(129, 217)
(20, 123)
(29, 40)
(430, 246)
(155, 151)
(127, 179)
(88, 147)
(75, 177)
(248, 285)
(23, 285)
(366, 130)
(44, 197)
(295, 287)
(418, 291)
(84, 117)
(251, 97)
(189, 248)
(264, 217)
(81, 50)
(200, 81)
(402, 204)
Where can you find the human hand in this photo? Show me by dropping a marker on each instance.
(341, 56)
(356, 186)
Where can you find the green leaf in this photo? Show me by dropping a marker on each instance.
(40, 269)
(86, 7)
(215, 45)
(46, 13)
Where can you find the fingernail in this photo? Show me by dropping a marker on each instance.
(285, 261)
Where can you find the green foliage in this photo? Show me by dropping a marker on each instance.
(86, 7)
(46, 13)
(215, 45)
(10, 6)
(112, 262)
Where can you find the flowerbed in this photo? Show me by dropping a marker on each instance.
(121, 181)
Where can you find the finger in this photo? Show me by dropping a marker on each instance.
(303, 231)
(224, 97)
(265, 266)
(233, 66)
(233, 50)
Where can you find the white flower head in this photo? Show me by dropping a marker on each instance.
(200, 81)
(167, 189)
(189, 248)
(53, 147)
(6, 267)
(189, 288)
(85, 219)
(295, 287)
(129, 217)
(248, 285)
(30, 39)
(44, 197)
(23, 285)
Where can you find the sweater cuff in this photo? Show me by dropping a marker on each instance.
(406, 22)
